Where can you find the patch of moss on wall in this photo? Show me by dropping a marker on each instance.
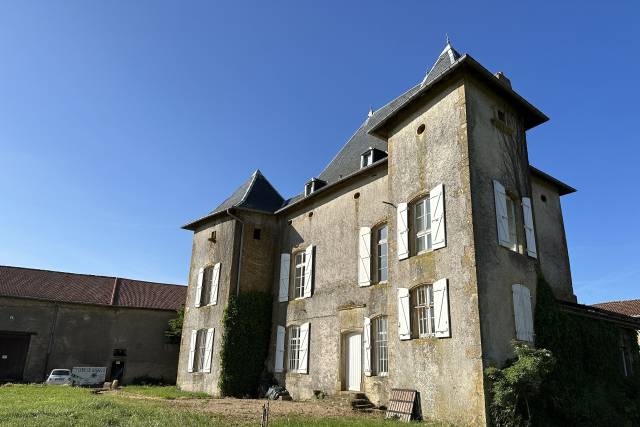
(245, 344)
(587, 385)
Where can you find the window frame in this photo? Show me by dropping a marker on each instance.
(425, 231)
(200, 350)
(302, 265)
(379, 242)
(422, 311)
(207, 286)
(380, 346)
(366, 159)
(293, 351)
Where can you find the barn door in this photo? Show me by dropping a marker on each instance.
(13, 354)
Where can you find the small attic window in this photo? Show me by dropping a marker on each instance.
(313, 185)
(366, 158)
(501, 116)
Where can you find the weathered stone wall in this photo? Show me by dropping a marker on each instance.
(496, 154)
(551, 239)
(446, 372)
(205, 253)
(86, 335)
(256, 272)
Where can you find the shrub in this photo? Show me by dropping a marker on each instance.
(246, 333)
(513, 387)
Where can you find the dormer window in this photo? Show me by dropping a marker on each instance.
(366, 159)
(371, 156)
(313, 185)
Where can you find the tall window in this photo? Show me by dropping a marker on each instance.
(511, 217)
(423, 312)
(207, 279)
(201, 342)
(380, 345)
(422, 225)
(294, 348)
(298, 282)
(382, 249)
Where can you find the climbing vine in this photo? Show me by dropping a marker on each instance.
(246, 333)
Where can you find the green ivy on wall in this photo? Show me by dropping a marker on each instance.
(586, 386)
(245, 343)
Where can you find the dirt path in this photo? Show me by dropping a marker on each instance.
(250, 409)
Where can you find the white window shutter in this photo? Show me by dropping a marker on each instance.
(192, 350)
(208, 351)
(285, 266)
(199, 287)
(529, 230)
(364, 266)
(366, 344)
(279, 361)
(215, 280)
(303, 367)
(501, 214)
(441, 308)
(522, 312)
(403, 231)
(308, 271)
(404, 314)
(438, 225)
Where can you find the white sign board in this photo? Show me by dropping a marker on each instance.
(88, 375)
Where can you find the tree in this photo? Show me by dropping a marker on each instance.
(174, 333)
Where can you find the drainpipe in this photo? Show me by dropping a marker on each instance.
(52, 332)
(241, 246)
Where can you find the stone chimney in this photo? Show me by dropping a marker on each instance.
(503, 79)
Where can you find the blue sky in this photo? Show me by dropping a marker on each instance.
(120, 121)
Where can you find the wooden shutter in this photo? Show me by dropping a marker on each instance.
(403, 231)
(529, 231)
(192, 349)
(285, 266)
(438, 225)
(303, 364)
(523, 313)
(404, 314)
(441, 308)
(366, 344)
(279, 360)
(215, 280)
(364, 266)
(501, 214)
(308, 271)
(199, 287)
(208, 351)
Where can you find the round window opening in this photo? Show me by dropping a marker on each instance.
(356, 196)
(421, 129)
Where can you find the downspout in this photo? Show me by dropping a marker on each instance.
(52, 332)
(241, 246)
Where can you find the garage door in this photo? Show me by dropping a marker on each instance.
(13, 354)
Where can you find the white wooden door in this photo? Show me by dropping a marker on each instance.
(353, 356)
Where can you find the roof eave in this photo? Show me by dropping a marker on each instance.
(564, 188)
(601, 314)
(533, 117)
(333, 185)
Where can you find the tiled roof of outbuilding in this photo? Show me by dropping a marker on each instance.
(628, 307)
(59, 286)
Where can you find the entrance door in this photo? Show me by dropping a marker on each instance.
(117, 370)
(13, 354)
(353, 361)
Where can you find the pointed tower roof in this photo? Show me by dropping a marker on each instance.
(256, 194)
(447, 58)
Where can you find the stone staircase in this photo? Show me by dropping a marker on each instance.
(356, 400)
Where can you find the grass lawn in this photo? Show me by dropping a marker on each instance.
(39, 405)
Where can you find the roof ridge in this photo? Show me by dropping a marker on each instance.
(617, 301)
(89, 275)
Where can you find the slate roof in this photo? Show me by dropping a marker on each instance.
(64, 287)
(446, 59)
(628, 307)
(256, 193)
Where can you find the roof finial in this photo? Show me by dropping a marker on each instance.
(370, 113)
(448, 41)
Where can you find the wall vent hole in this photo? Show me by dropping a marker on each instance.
(421, 129)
